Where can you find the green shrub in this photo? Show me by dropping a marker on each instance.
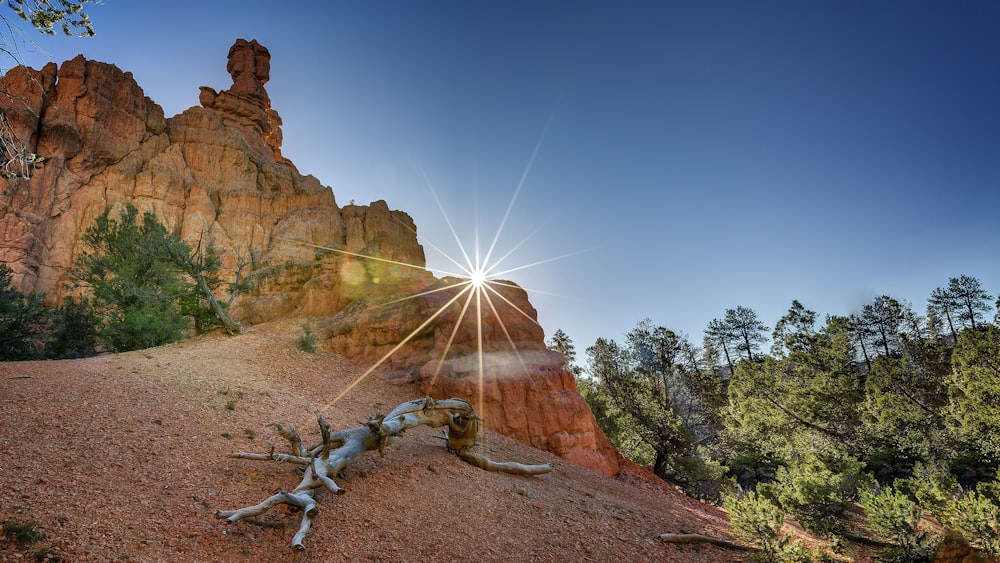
(933, 488)
(147, 284)
(815, 490)
(974, 515)
(135, 285)
(23, 321)
(143, 326)
(757, 521)
(74, 331)
(978, 520)
(21, 532)
(29, 330)
(306, 341)
(701, 476)
(894, 517)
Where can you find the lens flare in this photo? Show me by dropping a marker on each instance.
(478, 293)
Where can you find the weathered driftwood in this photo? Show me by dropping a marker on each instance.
(336, 451)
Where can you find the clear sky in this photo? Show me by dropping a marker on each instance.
(685, 157)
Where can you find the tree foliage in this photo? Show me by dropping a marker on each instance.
(756, 520)
(23, 321)
(145, 282)
(884, 407)
(46, 15)
(29, 330)
(894, 516)
(971, 299)
(747, 330)
(562, 343)
(739, 331)
(963, 303)
(973, 409)
(663, 399)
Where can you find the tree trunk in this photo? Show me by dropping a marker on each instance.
(231, 326)
(972, 313)
(954, 335)
(864, 351)
(885, 339)
(725, 350)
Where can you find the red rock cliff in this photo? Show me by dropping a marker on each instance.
(84, 138)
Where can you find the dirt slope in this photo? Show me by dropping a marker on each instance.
(123, 457)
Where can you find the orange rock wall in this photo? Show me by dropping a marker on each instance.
(208, 172)
(217, 171)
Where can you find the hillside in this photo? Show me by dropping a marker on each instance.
(216, 172)
(123, 457)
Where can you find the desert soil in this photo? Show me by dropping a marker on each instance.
(123, 457)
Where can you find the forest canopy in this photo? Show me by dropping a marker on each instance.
(882, 407)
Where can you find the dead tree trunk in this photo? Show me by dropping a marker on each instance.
(336, 451)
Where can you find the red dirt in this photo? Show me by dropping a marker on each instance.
(123, 457)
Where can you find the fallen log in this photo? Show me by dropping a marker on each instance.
(699, 538)
(326, 459)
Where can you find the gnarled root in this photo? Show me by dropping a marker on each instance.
(513, 467)
(338, 450)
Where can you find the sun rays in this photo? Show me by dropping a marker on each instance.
(473, 288)
(470, 295)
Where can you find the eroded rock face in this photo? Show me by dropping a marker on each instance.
(213, 171)
(217, 171)
(524, 390)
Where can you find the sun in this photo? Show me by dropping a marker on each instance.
(478, 279)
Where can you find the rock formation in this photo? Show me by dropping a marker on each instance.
(524, 391)
(213, 171)
(217, 171)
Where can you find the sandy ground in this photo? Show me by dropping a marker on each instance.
(124, 458)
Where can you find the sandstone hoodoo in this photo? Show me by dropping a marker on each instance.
(82, 138)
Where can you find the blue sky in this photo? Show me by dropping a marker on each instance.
(686, 157)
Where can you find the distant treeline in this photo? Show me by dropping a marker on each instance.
(884, 407)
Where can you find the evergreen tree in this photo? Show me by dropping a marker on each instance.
(973, 409)
(811, 389)
(942, 304)
(73, 333)
(860, 333)
(747, 330)
(881, 322)
(904, 392)
(970, 298)
(794, 332)
(738, 331)
(23, 321)
(663, 399)
(146, 282)
(135, 290)
(720, 336)
(31, 331)
(561, 342)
